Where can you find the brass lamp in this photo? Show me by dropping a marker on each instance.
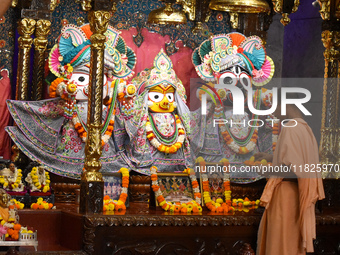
(240, 6)
(167, 15)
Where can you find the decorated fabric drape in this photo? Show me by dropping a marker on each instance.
(5, 88)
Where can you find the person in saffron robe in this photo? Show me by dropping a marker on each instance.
(288, 223)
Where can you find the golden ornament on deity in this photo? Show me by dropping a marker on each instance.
(161, 98)
(71, 87)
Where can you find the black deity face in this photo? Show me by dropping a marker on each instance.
(236, 76)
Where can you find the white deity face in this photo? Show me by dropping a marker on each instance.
(82, 80)
(236, 76)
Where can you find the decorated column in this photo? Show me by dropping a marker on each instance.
(330, 128)
(329, 148)
(25, 29)
(40, 44)
(92, 185)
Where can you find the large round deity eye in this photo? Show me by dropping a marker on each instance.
(245, 80)
(82, 79)
(228, 78)
(156, 96)
(170, 97)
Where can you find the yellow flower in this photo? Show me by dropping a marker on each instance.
(111, 207)
(219, 200)
(264, 162)
(69, 68)
(199, 160)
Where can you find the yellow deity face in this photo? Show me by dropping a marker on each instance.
(162, 98)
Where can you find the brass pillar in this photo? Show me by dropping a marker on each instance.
(25, 29)
(40, 44)
(92, 185)
(329, 144)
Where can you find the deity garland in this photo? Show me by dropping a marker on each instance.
(159, 128)
(54, 131)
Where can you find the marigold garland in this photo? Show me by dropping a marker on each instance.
(252, 162)
(83, 134)
(15, 204)
(35, 179)
(220, 206)
(53, 87)
(114, 205)
(193, 206)
(250, 143)
(170, 149)
(41, 205)
(13, 233)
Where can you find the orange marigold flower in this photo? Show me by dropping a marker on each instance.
(160, 199)
(17, 227)
(155, 187)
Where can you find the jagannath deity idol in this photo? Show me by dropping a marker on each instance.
(160, 126)
(53, 132)
(234, 60)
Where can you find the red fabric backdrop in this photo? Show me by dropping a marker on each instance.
(150, 47)
(5, 93)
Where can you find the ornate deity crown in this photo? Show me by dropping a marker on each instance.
(222, 51)
(161, 72)
(73, 48)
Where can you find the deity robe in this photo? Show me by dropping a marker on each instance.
(46, 136)
(288, 223)
(207, 140)
(4, 213)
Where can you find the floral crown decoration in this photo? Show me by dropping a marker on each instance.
(73, 51)
(161, 72)
(222, 51)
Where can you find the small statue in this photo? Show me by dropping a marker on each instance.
(11, 178)
(4, 201)
(159, 127)
(38, 180)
